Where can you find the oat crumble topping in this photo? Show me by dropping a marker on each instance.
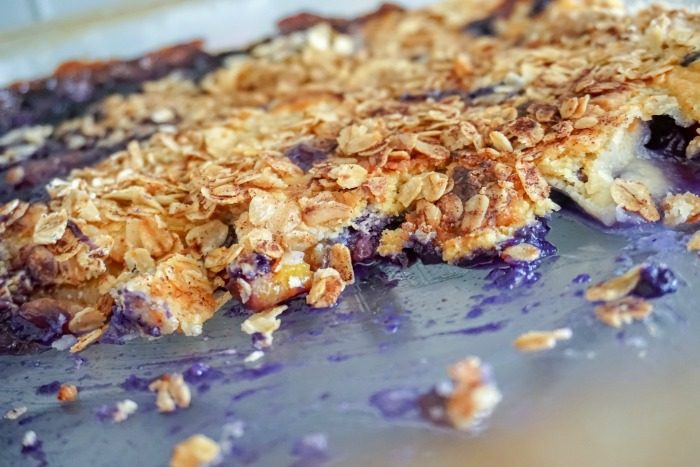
(449, 136)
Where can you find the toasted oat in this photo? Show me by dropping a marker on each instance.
(634, 197)
(534, 341)
(264, 322)
(86, 320)
(195, 451)
(433, 151)
(15, 412)
(359, 137)
(623, 311)
(349, 175)
(67, 393)
(410, 191)
(434, 186)
(50, 228)
(521, 252)
(327, 287)
(585, 123)
(172, 392)
(681, 209)
(475, 210)
(694, 242)
(87, 339)
(340, 259)
(615, 288)
(500, 141)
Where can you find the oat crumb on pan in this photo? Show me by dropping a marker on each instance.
(172, 392)
(15, 412)
(124, 409)
(623, 311)
(67, 393)
(196, 451)
(466, 400)
(534, 341)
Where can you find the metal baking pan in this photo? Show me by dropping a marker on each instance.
(604, 398)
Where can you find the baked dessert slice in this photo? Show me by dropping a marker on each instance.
(438, 133)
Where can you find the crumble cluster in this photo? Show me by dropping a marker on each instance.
(441, 130)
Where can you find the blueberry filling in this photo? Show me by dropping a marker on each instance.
(655, 280)
(487, 26)
(128, 314)
(481, 27)
(363, 238)
(440, 94)
(250, 267)
(77, 85)
(690, 58)
(305, 155)
(432, 407)
(668, 139)
(538, 7)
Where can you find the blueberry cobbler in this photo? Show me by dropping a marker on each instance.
(140, 196)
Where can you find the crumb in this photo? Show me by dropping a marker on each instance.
(29, 440)
(694, 242)
(264, 323)
(15, 412)
(172, 392)
(534, 341)
(67, 393)
(195, 451)
(464, 402)
(615, 288)
(521, 252)
(623, 311)
(254, 356)
(124, 410)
